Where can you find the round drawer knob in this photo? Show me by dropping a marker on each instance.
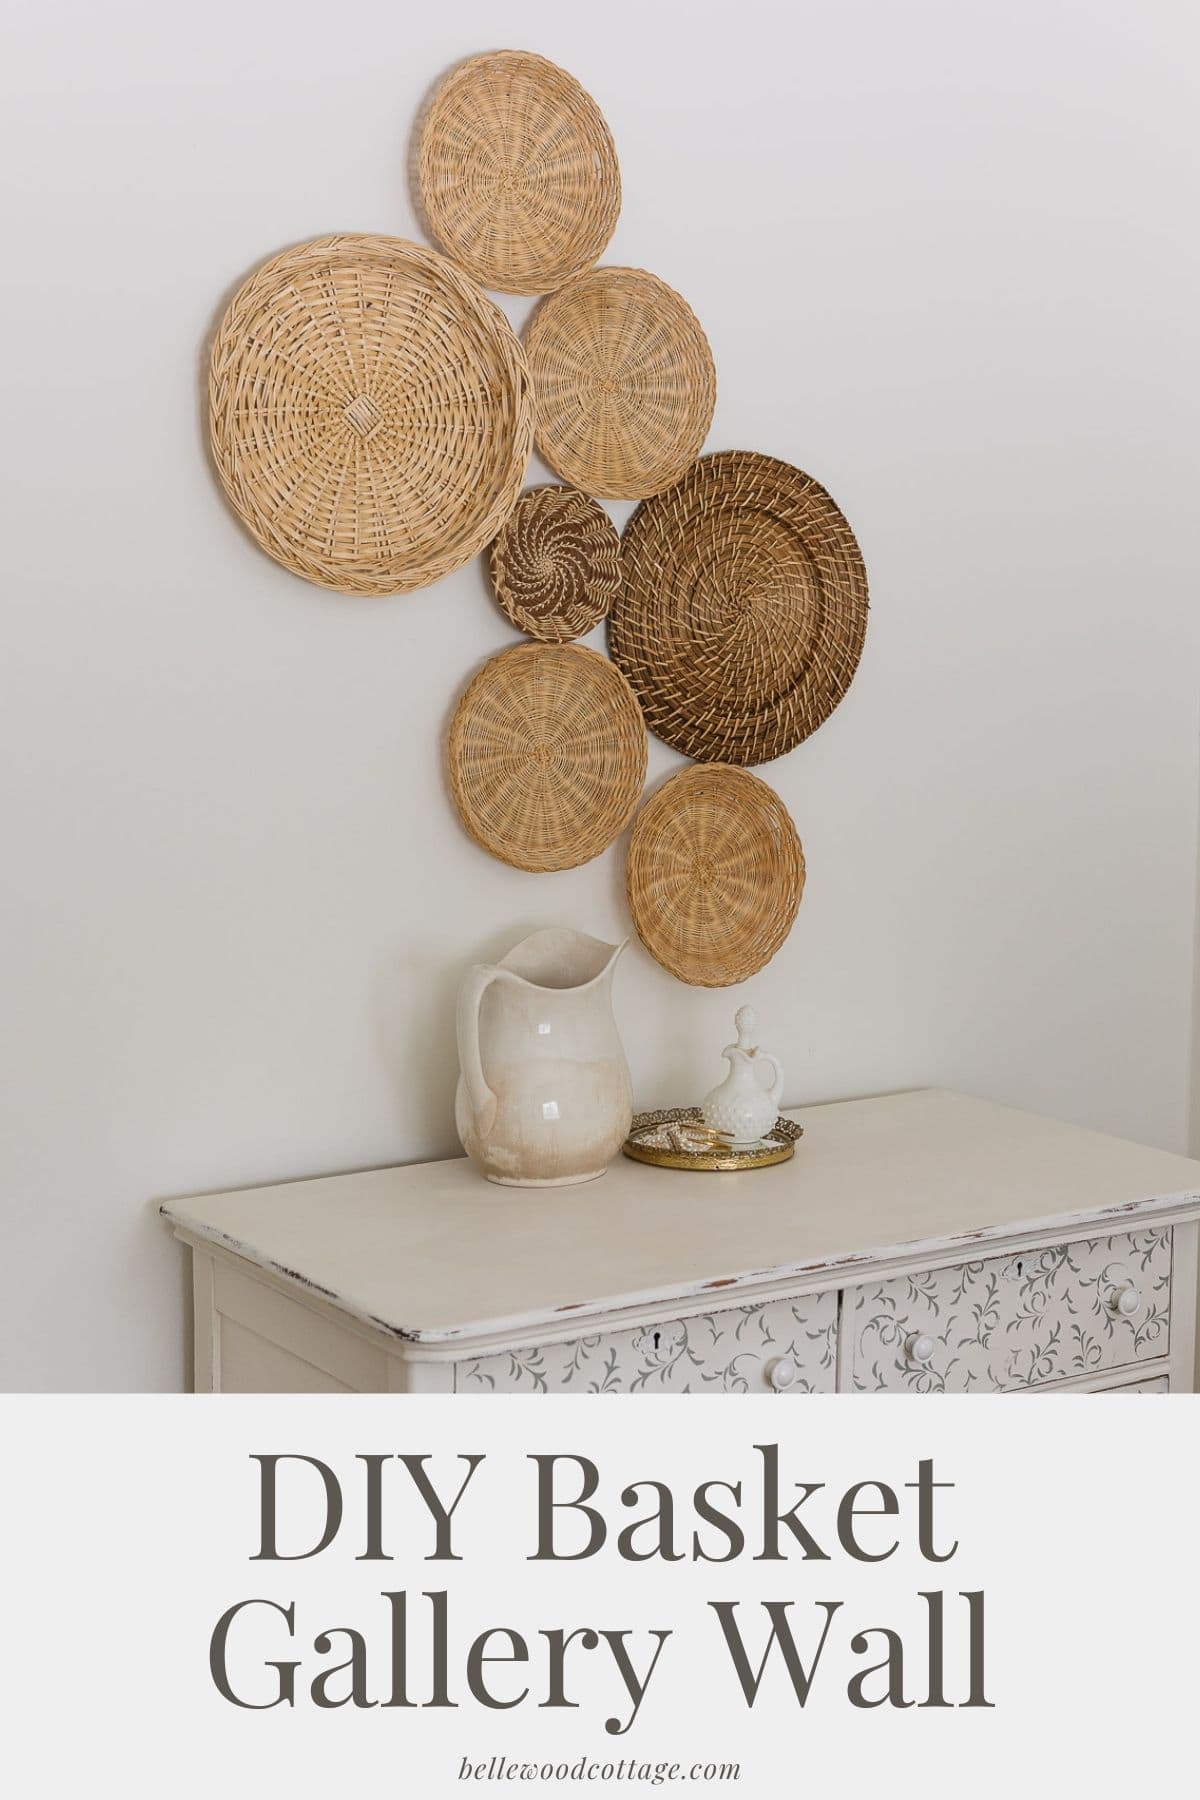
(1126, 1301)
(782, 1373)
(920, 1348)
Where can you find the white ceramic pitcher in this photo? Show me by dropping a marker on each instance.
(544, 1097)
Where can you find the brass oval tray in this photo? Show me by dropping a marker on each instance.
(778, 1146)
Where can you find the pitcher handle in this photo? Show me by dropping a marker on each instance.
(775, 1091)
(473, 987)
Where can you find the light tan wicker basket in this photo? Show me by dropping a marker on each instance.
(370, 413)
(715, 874)
(547, 755)
(624, 383)
(742, 611)
(556, 565)
(517, 173)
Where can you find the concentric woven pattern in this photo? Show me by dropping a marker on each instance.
(742, 611)
(715, 875)
(517, 171)
(547, 755)
(370, 413)
(624, 383)
(556, 564)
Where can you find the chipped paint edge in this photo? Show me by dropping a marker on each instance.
(545, 1324)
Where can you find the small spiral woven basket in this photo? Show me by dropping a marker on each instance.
(624, 383)
(517, 173)
(715, 875)
(370, 413)
(547, 756)
(743, 608)
(556, 565)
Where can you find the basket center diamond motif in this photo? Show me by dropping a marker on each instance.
(363, 416)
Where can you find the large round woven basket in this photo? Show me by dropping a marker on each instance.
(517, 172)
(743, 608)
(556, 565)
(624, 383)
(715, 874)
(547, 755)
(370, 413)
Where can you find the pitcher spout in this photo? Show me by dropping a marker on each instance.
(560, 958)
(613, 958)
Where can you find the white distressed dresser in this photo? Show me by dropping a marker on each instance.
(917, 1243)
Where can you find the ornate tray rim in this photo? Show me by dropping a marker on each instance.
(784, 1132)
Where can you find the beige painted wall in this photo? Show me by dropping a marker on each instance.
(936, 249)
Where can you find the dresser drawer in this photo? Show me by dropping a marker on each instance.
(1154, 1384)
(783, 1346)
(1014, 1321)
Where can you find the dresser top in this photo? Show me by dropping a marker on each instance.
(433, 1253)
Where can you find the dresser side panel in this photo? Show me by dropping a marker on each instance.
(206, 1326)
(1185, 1374)
(298, 1332)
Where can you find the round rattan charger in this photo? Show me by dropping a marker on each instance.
(547, 755)
(743, 608)
(517, 172)
(715, 874)
(624, 383)
(370, 413)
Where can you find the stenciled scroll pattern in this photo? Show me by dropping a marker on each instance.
(1016, 1321)
(726, 1352)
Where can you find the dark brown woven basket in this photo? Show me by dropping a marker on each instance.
(742, 611)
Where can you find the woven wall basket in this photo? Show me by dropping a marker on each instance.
(556, 564)
(547, 755)
(742, 611)
(715, 875)
(370, 413)
(624, 383)
(517, 172)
